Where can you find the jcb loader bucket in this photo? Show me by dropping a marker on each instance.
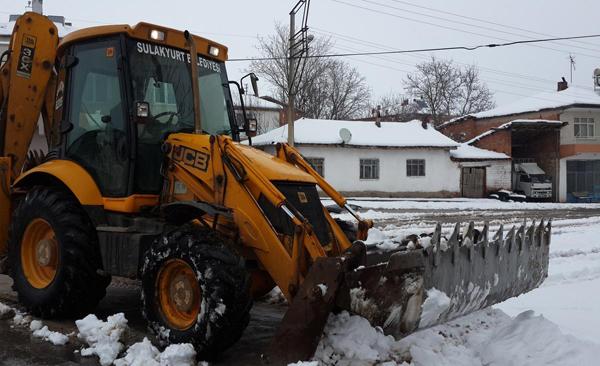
(460, 275)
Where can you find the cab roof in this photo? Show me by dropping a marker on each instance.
(141, 31)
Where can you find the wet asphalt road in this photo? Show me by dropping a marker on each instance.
(19, 348)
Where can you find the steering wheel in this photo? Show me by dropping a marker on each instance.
(171, 114)
(155, 128)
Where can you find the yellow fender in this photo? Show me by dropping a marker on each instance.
(70, 174)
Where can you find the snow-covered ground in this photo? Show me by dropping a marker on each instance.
(556, 324)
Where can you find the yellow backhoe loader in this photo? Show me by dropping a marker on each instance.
(146, 178)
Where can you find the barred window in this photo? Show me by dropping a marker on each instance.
(317, 164)
(415, 167)
(584, 127)
(369, 168)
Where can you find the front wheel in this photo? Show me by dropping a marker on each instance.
(195, 290)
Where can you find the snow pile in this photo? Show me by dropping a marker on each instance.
(394, 134)
(275, 296)
(41, 331)
(488, 337)
(6, 311)
(378, 237)
(145, 354)
(351, 338)
(434, 305)
(178, 355)
(103, 337)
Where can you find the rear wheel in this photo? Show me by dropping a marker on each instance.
(53, 254)
(195, 290)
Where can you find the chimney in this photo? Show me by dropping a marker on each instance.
(562, 85)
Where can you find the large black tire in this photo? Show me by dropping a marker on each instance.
(225, 290)
(78, 284)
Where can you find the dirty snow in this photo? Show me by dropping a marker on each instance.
(434, 305)
(5, 311)
(275, 296)
(103, 337)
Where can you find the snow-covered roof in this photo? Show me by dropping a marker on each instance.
(7, 28)
(468, 152)
(572, 96)
(514, 123)
(252, 101)
(390, 134)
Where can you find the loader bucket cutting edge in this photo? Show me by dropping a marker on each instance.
(391, 292)
(472, 273)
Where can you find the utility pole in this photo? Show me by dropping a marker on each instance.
(291, 92)
(572, 66)
(297, 48)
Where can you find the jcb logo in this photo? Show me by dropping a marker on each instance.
(191, 157)
(25, 62)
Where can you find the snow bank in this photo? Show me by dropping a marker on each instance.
(103, 337)
(178, 355)
(488, 337)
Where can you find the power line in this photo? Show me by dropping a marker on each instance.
(482, 20)
(464, 23)
(420, 50)
(446, 27)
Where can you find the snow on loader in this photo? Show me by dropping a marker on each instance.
(145, 178)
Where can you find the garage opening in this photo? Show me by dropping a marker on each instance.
(583, 181)
(473, 182)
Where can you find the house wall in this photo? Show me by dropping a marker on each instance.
(342, 170)
(497, 173)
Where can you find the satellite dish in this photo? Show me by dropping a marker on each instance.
(346, 135)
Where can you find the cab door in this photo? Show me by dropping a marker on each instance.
(97, 134)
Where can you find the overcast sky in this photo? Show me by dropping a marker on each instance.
(371, 25)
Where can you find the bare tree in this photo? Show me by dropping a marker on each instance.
(329, 88)
(395, 107)
(448, 89)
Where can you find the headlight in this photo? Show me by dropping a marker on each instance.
(157, 35)
(213, 51)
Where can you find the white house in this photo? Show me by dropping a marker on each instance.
(360, 158)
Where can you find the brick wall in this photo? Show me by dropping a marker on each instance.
(500, 141)
(467, 129)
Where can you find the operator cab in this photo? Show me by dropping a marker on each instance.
(124, 94)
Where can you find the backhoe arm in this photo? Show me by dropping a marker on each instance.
(24, 79)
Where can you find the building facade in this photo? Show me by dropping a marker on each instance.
(559, 131)
(393, 159)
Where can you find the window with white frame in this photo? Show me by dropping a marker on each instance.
(369, 168)
(415, 167)
(318, 164)
(584, 127)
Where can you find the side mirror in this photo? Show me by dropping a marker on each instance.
(252, 126)
(254, 80)
(142, 109)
